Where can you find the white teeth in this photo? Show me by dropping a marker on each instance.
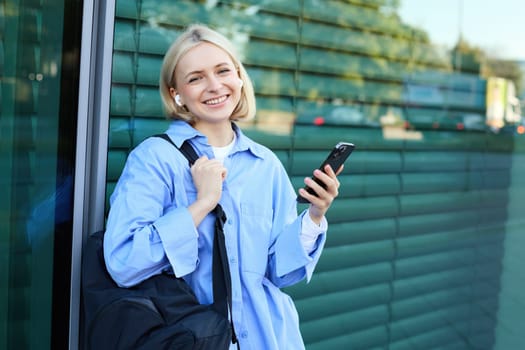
(215, 101)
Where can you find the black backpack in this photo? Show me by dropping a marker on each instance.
(160, 313)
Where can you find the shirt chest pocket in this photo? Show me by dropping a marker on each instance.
(255, 236)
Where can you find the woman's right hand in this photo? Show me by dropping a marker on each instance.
(208, 175)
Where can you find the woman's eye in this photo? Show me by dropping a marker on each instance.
(224, 70)
(193, 79)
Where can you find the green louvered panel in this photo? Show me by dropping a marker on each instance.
(142, 128)
(422, 118)
(500, 143)
(362, 185)
(344, 323)
(148, 69)
(367, 115)
(370, 338)
(168, 12)
(254, 20)
(441, 319)
(148, 103)
(290, 7)
(362, 161)
(116, 160)
(356, 255)
(419, 161)
(155, 41)
(321, 86)
(446, 342)
(358, 232)
(493, 160)
(427, 54)
(272, 81)
(406, 289)
(125, 36)
(363, 209)
(119, 133)
(439, 96)
(141, 101)
(120, 103)
(417, 204)
(455, 81)
(275, 142)
(429, 301)
(344, 280)
(343, 302)
(122, 71)
(280, 104)
(434, 263)
(438, 222)
(455, 312)
(336, 37)
(148, 40)
(309, 137)
(518, 145)
(327, 317)
(494, 198)
(110, 187)
(270, 54)
(365, 17)
(428, 140)
(437, 182)
(334, 62)
(441, 336)
(126, 9)
(266, 26)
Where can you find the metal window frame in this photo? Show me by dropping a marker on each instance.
(98, 21)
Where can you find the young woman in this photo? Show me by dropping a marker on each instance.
(160, 212)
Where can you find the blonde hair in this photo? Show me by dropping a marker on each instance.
(193, 36)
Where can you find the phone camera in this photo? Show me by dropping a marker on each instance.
(340, 151)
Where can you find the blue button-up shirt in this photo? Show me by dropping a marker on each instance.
(150, 230)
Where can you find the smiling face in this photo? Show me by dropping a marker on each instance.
(208, 83)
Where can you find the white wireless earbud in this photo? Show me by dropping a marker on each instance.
(241, 83)
(177, 100)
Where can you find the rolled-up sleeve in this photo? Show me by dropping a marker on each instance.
(181, 246)
(290, 256)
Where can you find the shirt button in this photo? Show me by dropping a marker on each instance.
(230, 221)
(233, 260)
(244, 334)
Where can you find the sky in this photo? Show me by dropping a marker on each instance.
(496, 26)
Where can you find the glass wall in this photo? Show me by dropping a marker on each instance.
(424, 247)
(39, 48)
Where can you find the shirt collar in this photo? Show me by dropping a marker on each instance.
(180, 131)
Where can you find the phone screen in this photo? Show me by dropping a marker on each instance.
(335, 159)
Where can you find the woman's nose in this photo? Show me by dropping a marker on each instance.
(214, 83)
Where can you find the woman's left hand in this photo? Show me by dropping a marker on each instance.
(325, 196)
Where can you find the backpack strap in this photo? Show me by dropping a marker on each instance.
(222, 293)
(186, 149)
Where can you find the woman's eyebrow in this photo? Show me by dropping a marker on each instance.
(200, 71)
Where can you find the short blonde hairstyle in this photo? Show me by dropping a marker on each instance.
(193, 36)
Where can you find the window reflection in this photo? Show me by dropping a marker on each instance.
(38, 128)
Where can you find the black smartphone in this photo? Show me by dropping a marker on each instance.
(336, 158)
